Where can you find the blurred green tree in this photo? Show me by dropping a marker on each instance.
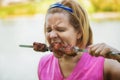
(106, 5)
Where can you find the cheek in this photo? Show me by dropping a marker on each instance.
(66, 39)
(71, 40)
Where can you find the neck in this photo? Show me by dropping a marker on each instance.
(67, 58)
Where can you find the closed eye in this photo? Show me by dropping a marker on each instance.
(60, 29)
(48, 30)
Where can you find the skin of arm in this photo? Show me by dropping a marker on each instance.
(111, 70)
(111, 64)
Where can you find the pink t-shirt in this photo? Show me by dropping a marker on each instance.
(88, 68)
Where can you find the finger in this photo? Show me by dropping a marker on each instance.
(98, 50)
(93, 48)
(90, 49)
(105, 51)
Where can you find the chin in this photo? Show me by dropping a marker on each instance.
(57, 55)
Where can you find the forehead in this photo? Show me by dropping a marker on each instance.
(56, 17)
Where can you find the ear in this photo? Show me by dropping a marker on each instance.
(79, 34)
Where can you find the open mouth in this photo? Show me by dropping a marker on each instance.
(62, 48)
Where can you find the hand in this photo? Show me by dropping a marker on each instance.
(100, 49)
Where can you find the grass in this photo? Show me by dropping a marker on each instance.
(31, 8)
(24, 9)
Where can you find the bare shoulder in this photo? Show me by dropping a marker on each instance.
(111, 69)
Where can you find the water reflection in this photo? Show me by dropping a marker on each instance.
(107, 31)
(21, 63)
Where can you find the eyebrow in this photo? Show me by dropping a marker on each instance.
(54, 24)
(57, 23)
(56, 27)
(59, 27)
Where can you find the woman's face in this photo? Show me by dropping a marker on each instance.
(58, 29)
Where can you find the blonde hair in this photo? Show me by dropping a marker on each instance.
(78, 19)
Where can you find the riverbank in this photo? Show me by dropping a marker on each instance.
(105, 16)
(101, 16)
(29, 9)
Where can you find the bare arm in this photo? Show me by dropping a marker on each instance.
(112, 62)
(111, 69)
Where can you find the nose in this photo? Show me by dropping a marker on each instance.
(53, 34)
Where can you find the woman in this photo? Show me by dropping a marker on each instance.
(66, 23)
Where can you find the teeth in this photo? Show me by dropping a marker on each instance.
(55, 41)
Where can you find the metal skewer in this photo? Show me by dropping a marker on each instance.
(113, 55)
(26, 46)
(77, 49)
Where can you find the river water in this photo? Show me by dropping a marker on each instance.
(18, 63)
